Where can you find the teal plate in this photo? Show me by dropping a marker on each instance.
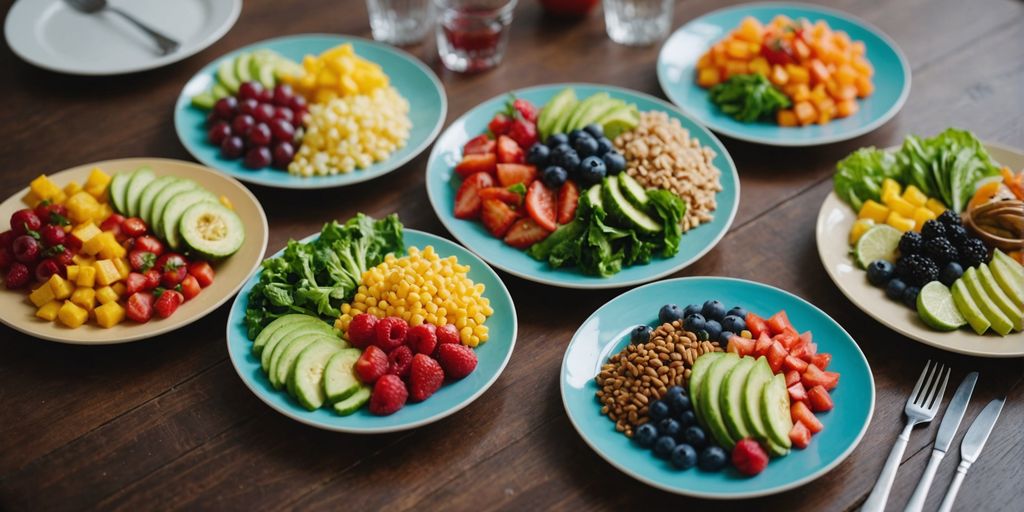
(492, 357)
(472, 234)
(607, 331)
(679, 55)
(428, 107)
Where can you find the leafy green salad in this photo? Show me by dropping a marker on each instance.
(748, 98)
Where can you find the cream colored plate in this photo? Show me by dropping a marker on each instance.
(17, 312)
(834, 221)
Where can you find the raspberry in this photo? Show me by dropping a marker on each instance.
(749, 458)
(425, 377)
(391, 332)
(371, 365)
(389, 395)
(457, 360)
(17, 276)
(362, 330)
(399, 361)
(447, 333)
(422, 339)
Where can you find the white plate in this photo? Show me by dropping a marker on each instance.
(52, 35)
(834, 221)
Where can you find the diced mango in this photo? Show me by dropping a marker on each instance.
(109, 314)
(899, 222)
(708, 77)
(84, 298)
(760, 66)
(101, 212)
(61, 287)
(93, 246)
(82, 207)
(922, 215)
(31, 199)
(110, 249)
(72, 188)
(86, 277)
(96, 184)
(890, 187)
(42, 295)
(83, 261)
(121, 265)
(72, 315)
(860, 226)
(935, 206)
(48, 311)
(86, 231)
(119, 288)
(914, 196)
(874, 211)
(72, 272)
(106, 272)
(900, 206)
(106, 294)
(43, 188)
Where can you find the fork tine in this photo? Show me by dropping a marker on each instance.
(936, 398)
(930, 384)
(917, 387)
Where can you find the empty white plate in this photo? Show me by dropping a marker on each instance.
(53, 35)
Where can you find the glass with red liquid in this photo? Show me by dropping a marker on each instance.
(472, 34)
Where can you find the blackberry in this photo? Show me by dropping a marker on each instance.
(910, 243)
(917, 270)
(949, 218)
(957, 234)
(973, 253)
(940, 250)
(933, 229)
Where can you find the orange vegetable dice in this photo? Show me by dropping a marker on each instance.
(785, 117)
(864, 86)
(708, 77)
(805, 112)
(863, 66)
(736, 67)
(798, 74)
(819, 72)
(779, 76)
(750, 30)
(846, 108)
(737, 50)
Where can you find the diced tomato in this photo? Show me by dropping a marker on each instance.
(799, 350)
(467, 199)
(479, 145)
(776, 356)
(472, 164)
(497, 217)
(509, 151)
(794, 363)
(135, 282)
(788, 338)
(807, 336)
(167, 303)
(140, 307)
(797, 393)
(756, 325)
(763, 344)
(800, 436)
(740, 345)
(501, 194)
(203, 273)
(819, 399)
(821, 360)
(792, 377)
(812, 348)
(814, 376)
(510, 174)
(190, 287)
(524, 233)
(568, 199)
(800, 412)
(540, 204)
(779, 323)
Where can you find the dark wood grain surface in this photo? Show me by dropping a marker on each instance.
(166, 423)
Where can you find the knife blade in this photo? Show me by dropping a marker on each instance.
(976, 436)
(955, 412)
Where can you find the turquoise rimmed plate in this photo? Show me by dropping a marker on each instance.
(428, 107)
(607, 331)
(492, 357)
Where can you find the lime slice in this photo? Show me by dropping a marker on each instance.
(937, 309)
(878, 243)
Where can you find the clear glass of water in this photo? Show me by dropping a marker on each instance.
(400, 22)
(472, 34)
(637, 22)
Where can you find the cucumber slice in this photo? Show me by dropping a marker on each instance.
(354, 402)
(633, 191)
(594, 195)
(211, 230)
(286, 333)
(697, 373)
(759, 376)
(286, 352)
(306, 380)
(732, 399)
(711, 399)
(118, 186)
(775, 411)
(148, 194)
(340, 381)
(171, 216)
(153, 212)
(556, 109)
(619, 207)
(140, 179)
(226, 75)
(204, 100)
(279, 323)
(242, 69)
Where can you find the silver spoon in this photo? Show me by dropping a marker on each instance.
(166, 44)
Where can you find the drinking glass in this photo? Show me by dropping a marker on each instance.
(637, 22)
(472, 34)
(400, 22)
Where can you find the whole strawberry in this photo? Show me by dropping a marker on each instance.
(523, 132)
(362, 330)
(425, 377)
(390, 333)
(399, 361)
(457, 360)
(372, 365)
(389, 395)
(525, 109)
(422, 339)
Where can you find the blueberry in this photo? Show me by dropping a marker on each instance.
(538, 155)
(669, 427)
(614, 161)
(694, 436)
(880, 272)
(692, 309)
(568, 160)
(554, 176)
(556, 139)
(658, 410)
(663, 446)
(687, 418)
(694, 323)
(576, 135)
(669, 313)
(559, 151)
(594, 130)
(950, 273)
(738, 311)
(675, 390)
(713, 328)
(604, 146)
(712, 458)
(733, 323)
(592, 170)
(645, 435)
(894, 290)
(640, 334)
(725, 337)
(585, 146)
(684, 456)
(713, 310)
(909, 297)
(678, 403)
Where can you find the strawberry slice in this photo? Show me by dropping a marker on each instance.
(509, 151)
(479, 145)
(472, 164)
(501, 194)
(540, 204)
(497, 216)
(568, 199)
(467, 199)
(524, 233)
(510, 174)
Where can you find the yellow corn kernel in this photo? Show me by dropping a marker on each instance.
(935, 206)
(109, 314)
(84, 298)
(72, 315)
(49, 311)
(61, 287)
(106, 273)
(922, 215)
(106, 294)
(899, 222)
(900, 206)
(914, 196)
(42, 295)
(86, 277)
(874, 211)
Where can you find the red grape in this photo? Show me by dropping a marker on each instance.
(297, 103)
(25, 249)
(25, 220)
(282, 130)
(232, 147)
(257, 157)
(248, 106)
(225, 108)
(264, 113)
(44, 211)
(73, 243)
(284, 113)
(218, 132)
(47, 268)
(283, 95)
(6, 238)
(267, 96)
(250, 90)
(242, 124)
(260, 135)
(66, 257)
(52, 235)
(284, 152)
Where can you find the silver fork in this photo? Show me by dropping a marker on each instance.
(921, 407)
(166, 44)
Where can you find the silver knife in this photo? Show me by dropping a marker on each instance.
(947, 431)
(971, 447)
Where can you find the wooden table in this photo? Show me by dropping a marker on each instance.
(166, 423)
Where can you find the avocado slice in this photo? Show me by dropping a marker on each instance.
(598, 111)
(633, 191)
(619, 207)
(775, 410)
(117, 188)
(592, 102)
(354, 402)
(697, 373)
(305, 380)
(262, 68)
(619, 120)
(171, 217)
(554, 110)
(968, 308)
(288, 349)
(995, 292)
(1000, 323)
(1008, 281)
(243, 70)
(204, 100)
(156, 196)
(226, 75)
(211, 230)
(710, 399)
(732, 399)
(759, 376)
(279, 323)
(340, 381)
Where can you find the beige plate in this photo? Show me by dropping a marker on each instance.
(17, 312)
(834, 222)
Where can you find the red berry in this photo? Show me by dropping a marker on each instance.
(133, 227)
(52, 214)
(23, 221)
(152, 278)
(6, 258)
(423, 339)
(362, 330)
(47, 268)
(457, 360)
(500, 124)
(6, 238)
(447, 333)
(425, 377)
(52, 235)
(72, 243)
(149, 244)
(389, 395)
(399, 361)
(523, 132)
(141, 260)
(173, 268)
(66, 257)
(140, 307)
(17, 276)
(749, 458)
(135, 282)
(372, 365)
(525, 109)
(391, 333)
(168, 303)
(203, 272)
(25, 248)
(190, 287)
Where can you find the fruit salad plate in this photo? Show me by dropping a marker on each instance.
(611, 330)
(492, 356)
(678, 68)
(229, 273)
(606, 182)
(835, 220)
(414, 82)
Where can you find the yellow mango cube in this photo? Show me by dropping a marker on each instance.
(109, 248)
(890, 186)
(106, 272)
(72, 188)
(901, 206)
(72, 272)
(914, 196)
(119, 288)
(61, 287)
(899, 222)
(82, 207)
(96, 184)
(109, 314)
(85, 231)
(860, 226)
(122, 266)
(874, 211)
(43, 188)
(72, 315)
(48, 311)
(106, 294)
(935, 206)
(86, 277)
(31, 199)
(922, 215)
(82, 260)
(84, 298)
(42, 295)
